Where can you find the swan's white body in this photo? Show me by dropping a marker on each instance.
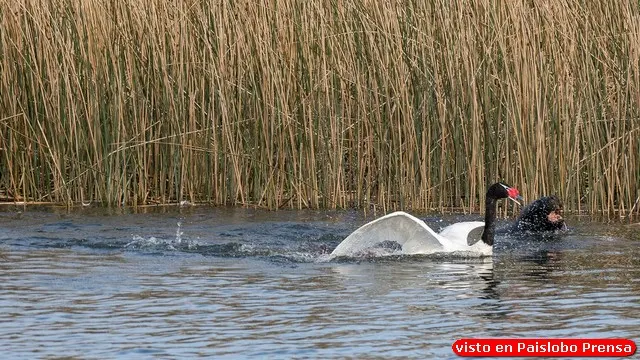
(415, 237)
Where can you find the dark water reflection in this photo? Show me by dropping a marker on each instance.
(230, 283)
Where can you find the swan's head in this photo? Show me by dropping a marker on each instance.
(504, 191)
(494, 192)
(544, 214)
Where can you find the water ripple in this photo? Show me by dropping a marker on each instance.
(174, 292)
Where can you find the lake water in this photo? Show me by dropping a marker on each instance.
(239, 283)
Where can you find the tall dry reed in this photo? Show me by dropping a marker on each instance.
(354, 103)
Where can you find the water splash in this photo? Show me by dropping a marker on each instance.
(138, 242)
(153, 243)
(179, 233)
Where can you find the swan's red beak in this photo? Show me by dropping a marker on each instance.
(514, 195)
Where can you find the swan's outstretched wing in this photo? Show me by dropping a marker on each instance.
(411, 233)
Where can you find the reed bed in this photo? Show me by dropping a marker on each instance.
(322, 104)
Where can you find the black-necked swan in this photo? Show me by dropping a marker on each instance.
(415, 237)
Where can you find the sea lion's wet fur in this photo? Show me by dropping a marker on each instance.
(535, 216)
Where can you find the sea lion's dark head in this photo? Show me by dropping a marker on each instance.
(544, 214)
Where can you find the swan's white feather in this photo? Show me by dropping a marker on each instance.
(408, 231)
(461, 234)
(412, 234)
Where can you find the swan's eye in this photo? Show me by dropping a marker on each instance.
(513, 193)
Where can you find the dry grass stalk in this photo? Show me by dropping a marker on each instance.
(396, 104)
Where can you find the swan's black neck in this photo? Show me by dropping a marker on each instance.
(489, 221)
